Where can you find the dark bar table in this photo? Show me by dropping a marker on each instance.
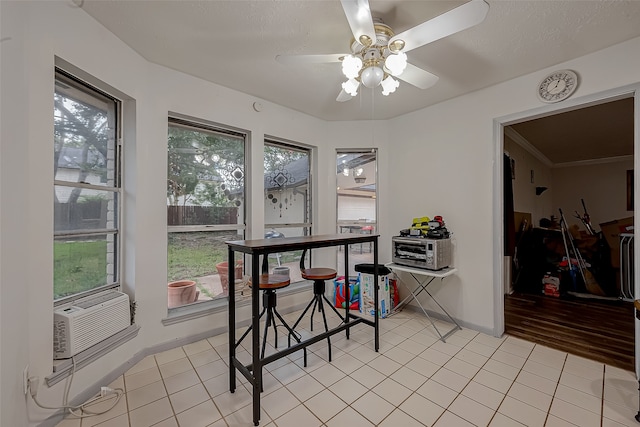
(264, 247)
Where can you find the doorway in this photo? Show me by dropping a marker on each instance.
(555, 167)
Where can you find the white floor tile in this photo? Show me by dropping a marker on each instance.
(398, 418)
(437, 393)
(324, 405)
(298, 416)
(530, 396)
(373, 407)
(471, 411)
(449, 419)
(305, 387)
(422, 409)
(521, 412)
(392, 391)
(415, 380)
(483, 394)
(201, 415)
(349, 417)
(450, 379)
(500, 420)
(574, 414)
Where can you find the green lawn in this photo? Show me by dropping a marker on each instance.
(78, 266)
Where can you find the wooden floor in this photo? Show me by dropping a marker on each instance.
(597, 330)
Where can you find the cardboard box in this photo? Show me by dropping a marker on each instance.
(367, 295)
(611, 231)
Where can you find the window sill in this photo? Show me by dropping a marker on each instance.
(63, 368)
(194, 311)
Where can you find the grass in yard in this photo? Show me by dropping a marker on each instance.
(79, 266)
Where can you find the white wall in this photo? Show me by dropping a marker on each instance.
(524, 191)
(445, 166)
(602, 186)
(39, 32)
(450, 167)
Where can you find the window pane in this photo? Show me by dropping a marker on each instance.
(205, 177)
(83, 263)
(197, 256)
(84, 125)
(78, 209)
(286, 179)
(357, 201)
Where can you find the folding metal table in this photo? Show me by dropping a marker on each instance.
(426, 277)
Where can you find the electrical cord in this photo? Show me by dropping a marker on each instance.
(105, 392)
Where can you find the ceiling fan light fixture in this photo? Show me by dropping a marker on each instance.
(396, 63)
(372, 76)
(351, 87)
(396, 45)
(389, 85)
(351, 66)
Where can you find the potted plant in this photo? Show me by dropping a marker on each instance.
(182, 292)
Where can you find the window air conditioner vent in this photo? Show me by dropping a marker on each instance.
(87, 321)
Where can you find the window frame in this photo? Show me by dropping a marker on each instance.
(308, 225)
(94, 92)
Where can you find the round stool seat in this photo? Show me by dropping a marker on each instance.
(318, 273)
(274, 281)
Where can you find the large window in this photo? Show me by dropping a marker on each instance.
(205, 208)
(356, 178)
(86, 189)
(287, 198)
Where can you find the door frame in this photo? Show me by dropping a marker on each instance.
(499, 124)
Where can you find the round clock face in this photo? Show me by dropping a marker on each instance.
(557, 86)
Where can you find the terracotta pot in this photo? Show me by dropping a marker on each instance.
(182, 292)
(223, 271)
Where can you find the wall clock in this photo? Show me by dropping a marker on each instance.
(557, 86)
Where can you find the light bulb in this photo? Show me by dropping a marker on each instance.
(372, 76)
(351, 87)
(389, 85)
(351, 66)
(396, 63)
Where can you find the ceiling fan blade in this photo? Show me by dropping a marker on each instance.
(359, 16)
(418, 77)
(458, 19)
(309, 59)
(343, 96)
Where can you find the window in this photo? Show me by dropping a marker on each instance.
(356, 177)
(205, 208)
(287, 198)
(86, 189)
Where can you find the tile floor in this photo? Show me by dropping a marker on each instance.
(414, 380)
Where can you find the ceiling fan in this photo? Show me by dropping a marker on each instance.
(378, 54)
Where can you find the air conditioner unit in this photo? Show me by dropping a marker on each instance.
(87, 321)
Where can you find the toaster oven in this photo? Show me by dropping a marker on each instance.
(420, 252)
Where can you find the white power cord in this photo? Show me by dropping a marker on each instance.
(105, 393)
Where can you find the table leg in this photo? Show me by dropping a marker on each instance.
(255, 338)
(422, 286)
(346, 287)
(232, 320)
(376, 319)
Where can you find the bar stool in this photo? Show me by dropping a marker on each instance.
(269, 283)
(319, 275)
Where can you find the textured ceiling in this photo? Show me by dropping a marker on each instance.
(234, 43)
